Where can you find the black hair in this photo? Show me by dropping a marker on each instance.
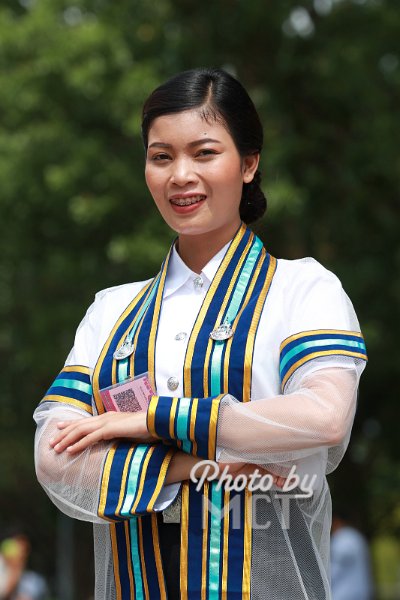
(218, 96)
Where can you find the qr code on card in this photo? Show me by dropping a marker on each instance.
(127, 401)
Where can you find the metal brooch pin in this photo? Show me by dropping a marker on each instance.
(125, 350)
(222, 332)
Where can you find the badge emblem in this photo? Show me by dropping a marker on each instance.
(125, 350)
(221, 333)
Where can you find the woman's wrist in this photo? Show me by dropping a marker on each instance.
(180, 467)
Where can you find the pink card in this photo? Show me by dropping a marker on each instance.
(132, 395)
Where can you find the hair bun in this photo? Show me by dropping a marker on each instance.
(253, 203)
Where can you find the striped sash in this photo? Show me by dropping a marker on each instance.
(216, 557)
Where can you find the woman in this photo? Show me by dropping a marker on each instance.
(223, 323)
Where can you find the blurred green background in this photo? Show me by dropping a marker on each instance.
(76, 216)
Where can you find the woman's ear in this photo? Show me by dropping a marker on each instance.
(250, 166)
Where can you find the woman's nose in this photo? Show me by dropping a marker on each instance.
(182, 172)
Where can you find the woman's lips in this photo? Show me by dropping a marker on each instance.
(187, 204)
(187, 200)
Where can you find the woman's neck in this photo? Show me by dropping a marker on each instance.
(197, 250)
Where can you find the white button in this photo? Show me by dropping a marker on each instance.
(172, 383)
(181, 336)
(198, 282)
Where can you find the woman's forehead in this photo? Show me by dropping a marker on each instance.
(187, 127)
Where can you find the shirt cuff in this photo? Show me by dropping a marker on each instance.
(166, 496)
(189, 423)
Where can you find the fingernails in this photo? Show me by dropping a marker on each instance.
(51, 442)
(60, 423)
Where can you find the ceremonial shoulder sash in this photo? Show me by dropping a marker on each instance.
(219, 554)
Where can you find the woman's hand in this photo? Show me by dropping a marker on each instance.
(79, 434)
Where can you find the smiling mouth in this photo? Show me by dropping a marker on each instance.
(187, 201)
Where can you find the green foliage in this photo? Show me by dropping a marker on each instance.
(76, 216)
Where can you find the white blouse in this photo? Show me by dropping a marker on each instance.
(308, 425)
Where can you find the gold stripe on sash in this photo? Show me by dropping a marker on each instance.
(224, 589)
(105, 481)
(77, 369)
(129, 557)
(68, 400)
(204, 308)
(172, 414)
(206, 491)
(96, 372)
(218, 321)
(142, 478)
(128, 329)
(212, 429)
(151, 416)
(144, 572)
(135, 339)
(160, 479)
(184, 542)
(157, 554)
(246, 301)
(193, 416)
(154, 323)
(247, 545)
(124, 480)
(114, 546)
(135, 343)
(253, 329)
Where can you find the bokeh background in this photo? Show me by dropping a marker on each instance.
(76, 216)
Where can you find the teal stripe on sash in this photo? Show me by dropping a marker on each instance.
(182, 423)
(214, 567)
(328, 342)
(137, 570)
(74, 384)
(216, 368)
(133, 479)
(233, 308)
(123, 365)
(242, 283)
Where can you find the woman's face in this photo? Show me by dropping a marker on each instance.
(195, 173)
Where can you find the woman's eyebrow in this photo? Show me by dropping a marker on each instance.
(191, 144)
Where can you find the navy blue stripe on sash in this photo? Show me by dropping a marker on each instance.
(141, 353)
(72, 386)
(195, 533)
(68, 393)
(236, 545)
(149, 558)
(153, 469)
(116, 480)
(235, 382)
(123, 561)
(105, 375)
(197, 370)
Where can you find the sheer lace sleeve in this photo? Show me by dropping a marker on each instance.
(107, 481)
(322, 357)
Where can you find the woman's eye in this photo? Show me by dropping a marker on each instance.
(159, 157)
(206, 152)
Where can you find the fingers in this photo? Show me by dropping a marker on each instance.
(65, 427)
(83, 443)
(73, 432)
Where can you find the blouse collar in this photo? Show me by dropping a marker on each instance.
(179, 274)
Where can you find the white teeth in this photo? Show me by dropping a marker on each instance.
(187, 201)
